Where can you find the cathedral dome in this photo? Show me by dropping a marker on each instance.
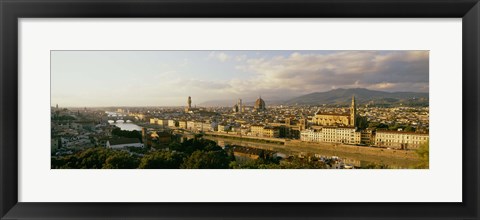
(260, 104)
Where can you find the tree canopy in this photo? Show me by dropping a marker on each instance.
(161, 160)
(196, 153)
(423, 153)
(96, 158)
(207, 160)
(129, 134)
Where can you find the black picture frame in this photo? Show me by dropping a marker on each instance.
(12, 10)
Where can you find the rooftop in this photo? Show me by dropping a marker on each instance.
(400, 132)
(123, 140)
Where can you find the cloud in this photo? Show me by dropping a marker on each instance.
(220, 56)
(304, 72)
(386, 86)
(240, 58)
(204, 84)
(164, 79)
(300, 73)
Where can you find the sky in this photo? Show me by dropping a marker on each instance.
(167, 78)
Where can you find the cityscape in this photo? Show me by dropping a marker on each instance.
(240, 110)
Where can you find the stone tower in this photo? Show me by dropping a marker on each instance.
(240, 105)
(353, 112)
(303, 123)
(144, 136)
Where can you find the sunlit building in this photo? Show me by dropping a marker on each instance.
(400, 139)
(335, 119)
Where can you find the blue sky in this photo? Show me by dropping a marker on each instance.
(166, 78)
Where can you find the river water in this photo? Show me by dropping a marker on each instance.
(353, 159)
(127, 126)
(350, 158)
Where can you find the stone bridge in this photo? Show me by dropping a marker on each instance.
(116, 118)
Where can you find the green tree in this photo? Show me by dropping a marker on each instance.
(92, 158)
(409, 129)
(195, 144)
(395, 127)
(138, 150)
(233, 165)
(302, 163)
(377, 125)
(293, 163)
(207, 160)
(423, 153)
(121, 160)
(375, 166)
(362, 122)
(267, 158)
(161, 160)
(63, 118)
(270, 166)
(56, 163)
(96, 158)
(175, 146)
(248, 164)
(129, 134)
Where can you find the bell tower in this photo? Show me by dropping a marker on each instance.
(353, 112)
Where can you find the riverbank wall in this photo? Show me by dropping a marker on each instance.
(248, 138)
(373, 151)
(362, 154)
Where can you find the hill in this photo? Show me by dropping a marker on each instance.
(362, 96)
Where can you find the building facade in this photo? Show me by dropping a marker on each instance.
(342, 135)
(265, 131)
(190, 125)
(400, 139)
(311, 135)
(153, 121)
(256, 130)
(334, 119)
(270, 132)
(172, 123)
(162, 122)
(182, 124)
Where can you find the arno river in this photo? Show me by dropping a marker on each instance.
(353, 158)
(127, 126)
(357, 159)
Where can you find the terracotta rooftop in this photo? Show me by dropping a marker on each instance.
(400, 132)
(331, 113)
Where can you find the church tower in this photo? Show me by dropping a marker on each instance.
(144, 136)
(189, 103)
(353, 112)
(240, 105)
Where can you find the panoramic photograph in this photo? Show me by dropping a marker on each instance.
(240, 109)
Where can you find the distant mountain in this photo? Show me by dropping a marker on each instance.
(337, 97)
(362, 96)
